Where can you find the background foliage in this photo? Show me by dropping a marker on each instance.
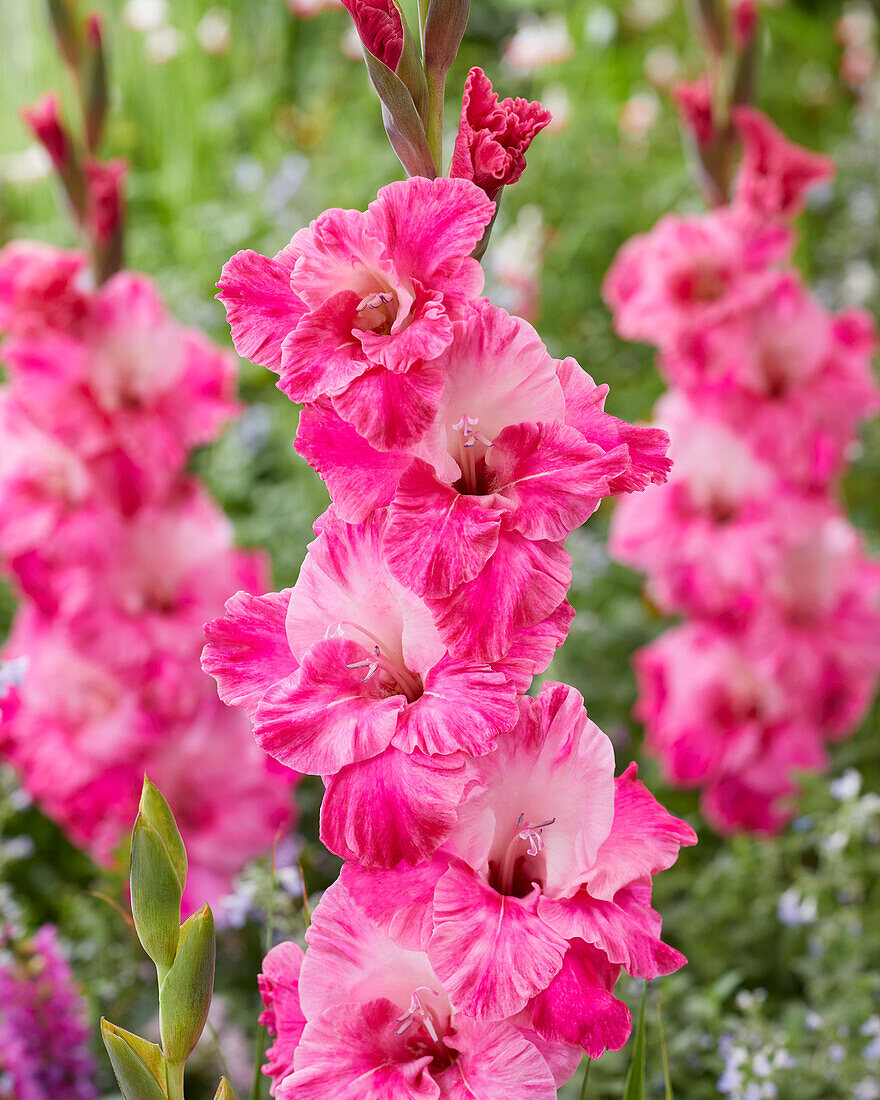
(241, 149)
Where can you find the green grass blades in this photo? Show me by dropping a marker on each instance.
(635, 1079)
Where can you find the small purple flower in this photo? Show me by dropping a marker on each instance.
(43, 1028)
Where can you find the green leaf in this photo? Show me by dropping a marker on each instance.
(134, 1062)
(224, 1091)
(404, 127)
(157, 811)
(155, 896)
(185, 993)
(635, 1079)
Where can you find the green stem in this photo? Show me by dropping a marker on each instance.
(586, 1079)
(175, 1080)
(434, 129)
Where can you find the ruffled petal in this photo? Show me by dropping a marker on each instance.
(399, 900)
(392, 411)
(247, 650)
(463, 707)
(325, 715)
(395, 807)
(495, 1062)
(436, 538)
(492, 952)
(578, 1006)
(645, 839)
(321, 356)
(261, 307)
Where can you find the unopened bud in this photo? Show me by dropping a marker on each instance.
(63, 15)
(44, 122)
(139, 1066)
(156, 810)
(94, 79)
(155, 896)
(106, 221)
(743, 23)
(224, 1091)
(444, 29)
(709, 17)
(185, 992)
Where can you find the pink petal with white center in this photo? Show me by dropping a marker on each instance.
(556, 766)
(260, 305)
(495, 1062)
(579, 1006)
(463, 707)
(645, 838)
(498, 372)
(350, 959)
(358, 477)
(325, 715)
(521, 585)
(645, 448)
(429, 229)
(492, 952)
(400, 900)
(392, 411)
(395, 807)
(626, 930)
(247, 649)
(337, 252)
(552, 478)
(345, 585)
(321, 356)
(283, 1017)
(436, 538)
(354, 1053)
(534, 646)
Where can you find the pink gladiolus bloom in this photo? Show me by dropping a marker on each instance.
(41, 288)
(493, 135)
(345, 675)
(775, 174)
(542, 892)
(358, 306)
(518, 454)
(711, 537)
(360, 1018)
(718, 716)
(688, 274)
(793, 380)
(380, 28)
(130, 382)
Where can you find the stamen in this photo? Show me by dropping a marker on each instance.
(467, 442)
(405, 679)
(417, 1011)
(530, 833)
(375, 300)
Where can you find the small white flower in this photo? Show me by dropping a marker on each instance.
(214, 32)
(600, 26)
(163, 45)
(836, 1052)
(145, 15)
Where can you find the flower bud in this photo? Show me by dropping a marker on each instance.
(155, 896)
(709, 18)
(224, 1091)
(44, 122)
(64, 23)
(398, 78)
(743, 23)
(94, 79)
(185, 992)
(106, 216)
(139, 1066)
(444, 29)
(156, 810)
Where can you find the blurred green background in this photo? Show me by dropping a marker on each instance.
(241, 123)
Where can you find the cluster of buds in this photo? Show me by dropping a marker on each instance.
(94, 188)
(183, 955)
(728, 30)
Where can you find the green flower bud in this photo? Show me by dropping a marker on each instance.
(65, 25)
(224, 1091)
(156, 810)
(139, 1066)
(185, 992)
(155, 896)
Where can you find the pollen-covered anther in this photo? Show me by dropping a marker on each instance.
(375, 300)
(418, 1013)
